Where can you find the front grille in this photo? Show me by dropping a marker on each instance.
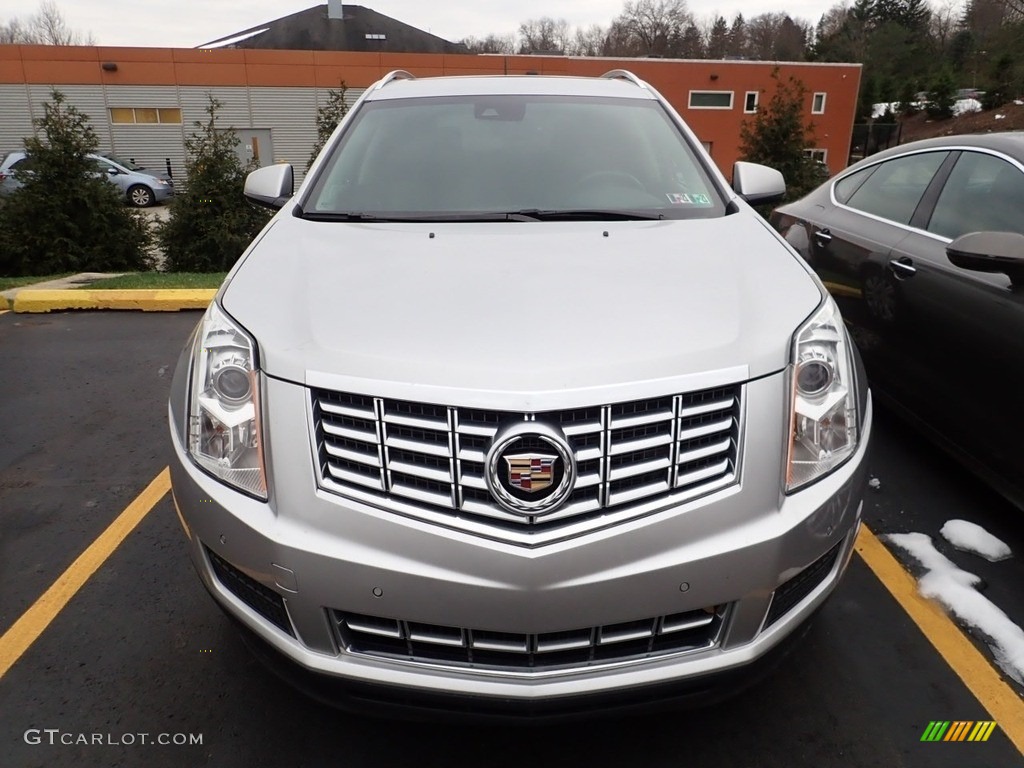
(405, 456)
(265, 601)
(801, 585)
(481, 649)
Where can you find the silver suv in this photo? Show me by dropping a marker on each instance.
(517, 407)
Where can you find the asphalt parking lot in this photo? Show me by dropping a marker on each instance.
(141, 649)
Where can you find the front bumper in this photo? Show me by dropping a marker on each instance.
(312, 552)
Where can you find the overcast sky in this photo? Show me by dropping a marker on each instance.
(188, 23)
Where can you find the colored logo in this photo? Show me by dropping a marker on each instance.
(530, 472)
(958, 730)
(530, 469)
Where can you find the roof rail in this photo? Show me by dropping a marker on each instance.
(395, 74)
(624, 74)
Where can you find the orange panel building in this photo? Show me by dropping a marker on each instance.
(143, 102)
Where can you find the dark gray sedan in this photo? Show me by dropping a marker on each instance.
(923, 247)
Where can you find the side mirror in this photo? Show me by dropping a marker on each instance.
(271, 186)
(113, 171)
(757, 183)
(990, 252)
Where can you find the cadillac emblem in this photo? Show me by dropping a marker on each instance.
(530, 469)
(530, 472)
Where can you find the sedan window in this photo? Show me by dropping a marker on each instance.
(896, 187)
(983, 193)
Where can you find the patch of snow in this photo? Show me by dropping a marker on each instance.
(877, 110)
(1000, 117)
(965, 106)
(953, 588)
(1018, 102)
(874, 483)
(970, 537)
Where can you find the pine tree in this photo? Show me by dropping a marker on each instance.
(718, 39)
(67, 217)
(777, 136)
(211, 223)
(327, 118)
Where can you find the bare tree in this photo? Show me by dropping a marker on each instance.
(47, 26)
(12, 33)
(544, 35)
(505, 44)
(654, 25)
(589, 41)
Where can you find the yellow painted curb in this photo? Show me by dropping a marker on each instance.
(156, 300)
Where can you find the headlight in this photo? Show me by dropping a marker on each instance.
(224, 405)
(823, 403)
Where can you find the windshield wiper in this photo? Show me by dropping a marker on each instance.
(575, 214)
(427, 218)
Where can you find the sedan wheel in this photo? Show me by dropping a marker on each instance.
(140, 197)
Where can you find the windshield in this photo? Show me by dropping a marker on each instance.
(510, 153)
(126, 163)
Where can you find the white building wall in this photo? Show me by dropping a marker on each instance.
(289, 113)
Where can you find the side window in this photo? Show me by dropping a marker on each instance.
(983, 193)
(847, 185)
(25, 164)
(895, 188)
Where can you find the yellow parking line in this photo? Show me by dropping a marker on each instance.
(977, 673)
(36, 619)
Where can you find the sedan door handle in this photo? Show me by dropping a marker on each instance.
(823, 236)
(902, 267)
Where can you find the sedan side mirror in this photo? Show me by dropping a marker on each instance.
(113, 171)
(271, 186)
(990, 252)
(757, 183)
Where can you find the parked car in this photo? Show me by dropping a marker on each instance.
(923, 247)
(140, 187)
(542, 417)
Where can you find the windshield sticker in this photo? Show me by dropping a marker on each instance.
(692, 198)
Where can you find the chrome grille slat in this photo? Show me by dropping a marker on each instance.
(631, 470)
(699, 410)
(428, 473)
(342, 410)
(642, 444)
(689, 478)
(407, 456)
(348, 476)
(714, 428)
(439, 645)
(653, 417)
(367, 436)
(701, 453)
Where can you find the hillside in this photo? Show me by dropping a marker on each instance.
(1009, 117)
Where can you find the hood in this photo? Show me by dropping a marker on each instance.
(520, 306)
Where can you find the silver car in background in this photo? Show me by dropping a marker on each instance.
(139, 187)
(516, 408)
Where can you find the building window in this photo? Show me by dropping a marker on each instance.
(375, 36)
(818, 104)
(750, 102)
(710, 99)
(707, 146)
(821, 155)
(145, 115)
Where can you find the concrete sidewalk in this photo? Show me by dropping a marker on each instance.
(63, 283)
